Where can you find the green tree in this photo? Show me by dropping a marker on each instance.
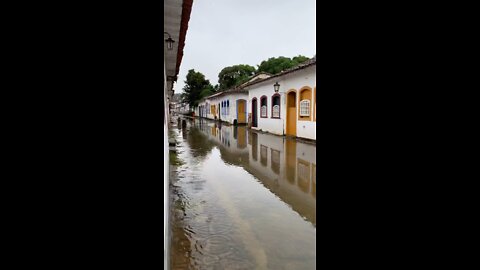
(234, 75)
(195, 86)
(276, 65)
(209, 90)
(299, 59)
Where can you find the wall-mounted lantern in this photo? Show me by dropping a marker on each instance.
(276, 87)
(169, 41)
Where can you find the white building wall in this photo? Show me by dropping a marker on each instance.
(231, 113)
(293, 81)
(269, 124)
(233, 98)
(204, 104)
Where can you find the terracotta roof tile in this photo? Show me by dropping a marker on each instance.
(241, 89)
(308, 63)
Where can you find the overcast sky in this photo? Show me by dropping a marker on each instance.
(223, 33)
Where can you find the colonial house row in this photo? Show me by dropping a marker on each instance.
(229, 106)
(281, 104)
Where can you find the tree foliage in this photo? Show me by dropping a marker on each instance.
(209, 90)
(276, 65)
(234, 75)
(196, 87)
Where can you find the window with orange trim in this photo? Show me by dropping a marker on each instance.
(263, 107)
(304, 104)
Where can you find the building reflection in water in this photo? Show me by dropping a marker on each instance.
(283, 165)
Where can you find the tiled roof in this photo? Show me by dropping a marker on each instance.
(308, 63)
(226, 92)
(241, 88)
(262, 72)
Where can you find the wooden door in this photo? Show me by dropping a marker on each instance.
(241, 112)
(291, 114)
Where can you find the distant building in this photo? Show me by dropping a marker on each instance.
(228, 106)
(256, 77)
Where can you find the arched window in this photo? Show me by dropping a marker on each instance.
(263, 107)
(305, 101)
(228, 107)
(276, 106)
(305, 107)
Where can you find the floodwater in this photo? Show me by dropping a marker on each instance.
(242, 200)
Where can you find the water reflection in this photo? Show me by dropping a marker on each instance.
(275, 154)
(254, 149)
(285, 166)
(201, 145)
(243, 200)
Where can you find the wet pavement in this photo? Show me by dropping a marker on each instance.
(242, 200)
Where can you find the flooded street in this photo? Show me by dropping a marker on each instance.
(242, 199)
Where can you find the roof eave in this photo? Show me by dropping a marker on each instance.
(186, 12)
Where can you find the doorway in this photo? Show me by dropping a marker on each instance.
(241, 112)
(291, 114)
(254, 113)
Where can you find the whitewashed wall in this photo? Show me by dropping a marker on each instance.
(295, 81)
(233, 106)
(232, 112)
(204, 104)
(272, 125)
